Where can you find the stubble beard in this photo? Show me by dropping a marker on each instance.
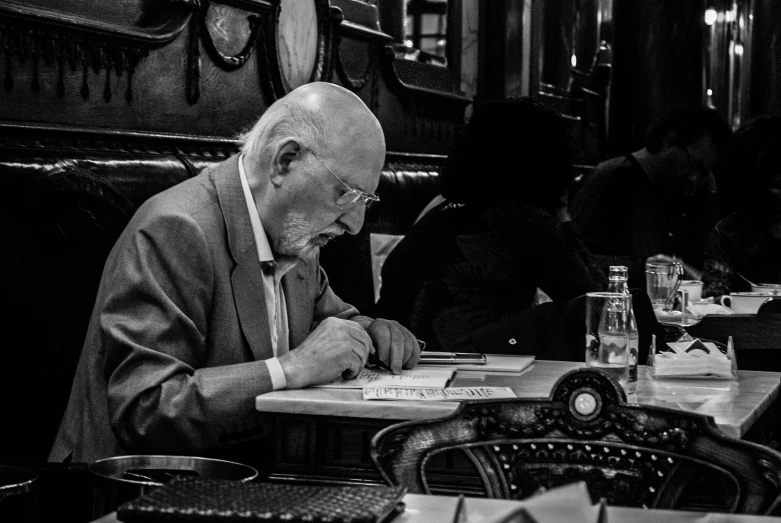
(298, 237)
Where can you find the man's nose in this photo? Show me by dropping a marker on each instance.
(352, 218)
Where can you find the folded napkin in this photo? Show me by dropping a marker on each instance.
(694, 359)
(703, 309)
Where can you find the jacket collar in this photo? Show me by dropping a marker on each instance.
(247, 274)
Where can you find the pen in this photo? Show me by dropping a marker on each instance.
(459, 509)
(377, 362)
(602, 516)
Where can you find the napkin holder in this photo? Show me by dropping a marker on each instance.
(704, 360)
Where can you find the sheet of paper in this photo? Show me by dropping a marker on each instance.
(427, 394)
(433, 378)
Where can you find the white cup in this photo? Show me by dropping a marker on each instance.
(695, 289)
(745, 302)
(767, 288)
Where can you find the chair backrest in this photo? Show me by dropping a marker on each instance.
(757, 337)
(632, 455)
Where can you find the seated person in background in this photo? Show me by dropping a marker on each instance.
(216, 278)
(465, 276)
(657, 202)
(748, 241)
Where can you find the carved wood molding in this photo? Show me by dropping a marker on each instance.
(355, 84)
(259, 22)
(154, 34)
(272, 81)
(21, 44)
(35, 34)
(61, 138)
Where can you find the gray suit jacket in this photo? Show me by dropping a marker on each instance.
(173, 357)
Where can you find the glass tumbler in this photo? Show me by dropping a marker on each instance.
(662, 280)
(607, 334)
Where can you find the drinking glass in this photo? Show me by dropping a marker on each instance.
(662, 280)
(607, 334)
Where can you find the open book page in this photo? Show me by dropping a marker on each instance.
(433, 378)
(447, 394)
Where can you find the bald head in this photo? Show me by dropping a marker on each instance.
(324, 116)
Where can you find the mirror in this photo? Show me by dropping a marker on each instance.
(427, 29)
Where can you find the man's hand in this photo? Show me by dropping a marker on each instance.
(336, 348)
(395, 345)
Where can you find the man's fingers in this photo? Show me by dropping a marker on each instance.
(411, 350)
(382, 344)
(396, 347)
(354, 365)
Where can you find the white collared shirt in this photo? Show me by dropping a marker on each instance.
(273, 292)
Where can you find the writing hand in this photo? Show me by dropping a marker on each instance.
(336, 348)
(394, 343)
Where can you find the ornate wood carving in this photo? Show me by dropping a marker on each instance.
(355, 84)
(23, 44)
(200, 35)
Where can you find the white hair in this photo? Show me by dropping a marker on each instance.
(284, 118)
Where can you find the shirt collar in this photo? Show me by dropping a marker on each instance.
(265, 255)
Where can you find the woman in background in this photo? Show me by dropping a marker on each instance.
(467, 274)
(746, 245)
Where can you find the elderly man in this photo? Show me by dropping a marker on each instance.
(216, 280)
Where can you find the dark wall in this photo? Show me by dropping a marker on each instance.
(766, 52)
(657, 64)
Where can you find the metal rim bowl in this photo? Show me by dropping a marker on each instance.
(115, 468)
(113, 487)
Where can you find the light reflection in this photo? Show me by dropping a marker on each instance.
(710, 16)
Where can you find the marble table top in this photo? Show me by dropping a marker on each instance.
(735, 405)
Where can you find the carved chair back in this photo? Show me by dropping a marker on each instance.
(632, 455)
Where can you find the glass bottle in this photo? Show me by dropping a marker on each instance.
(617, 278)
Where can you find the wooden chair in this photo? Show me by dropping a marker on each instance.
(632, 455)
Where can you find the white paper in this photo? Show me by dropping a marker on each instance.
(433, 378)
(428, 394)
(693, 359)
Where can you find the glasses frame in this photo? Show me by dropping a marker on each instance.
(352, 195)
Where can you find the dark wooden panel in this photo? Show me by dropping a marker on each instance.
(657, 65)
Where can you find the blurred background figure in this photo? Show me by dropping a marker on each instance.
(497, 241)
(746, 244)
(657, 203)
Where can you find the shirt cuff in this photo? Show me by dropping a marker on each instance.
(278, 380)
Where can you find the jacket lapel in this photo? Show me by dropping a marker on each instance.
(247, 275)
(299, 309)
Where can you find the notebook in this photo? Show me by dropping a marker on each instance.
(204, 500)
(493, 363)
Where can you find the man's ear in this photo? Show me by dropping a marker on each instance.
(286, 152)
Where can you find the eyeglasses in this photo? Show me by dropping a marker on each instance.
(351, 196)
